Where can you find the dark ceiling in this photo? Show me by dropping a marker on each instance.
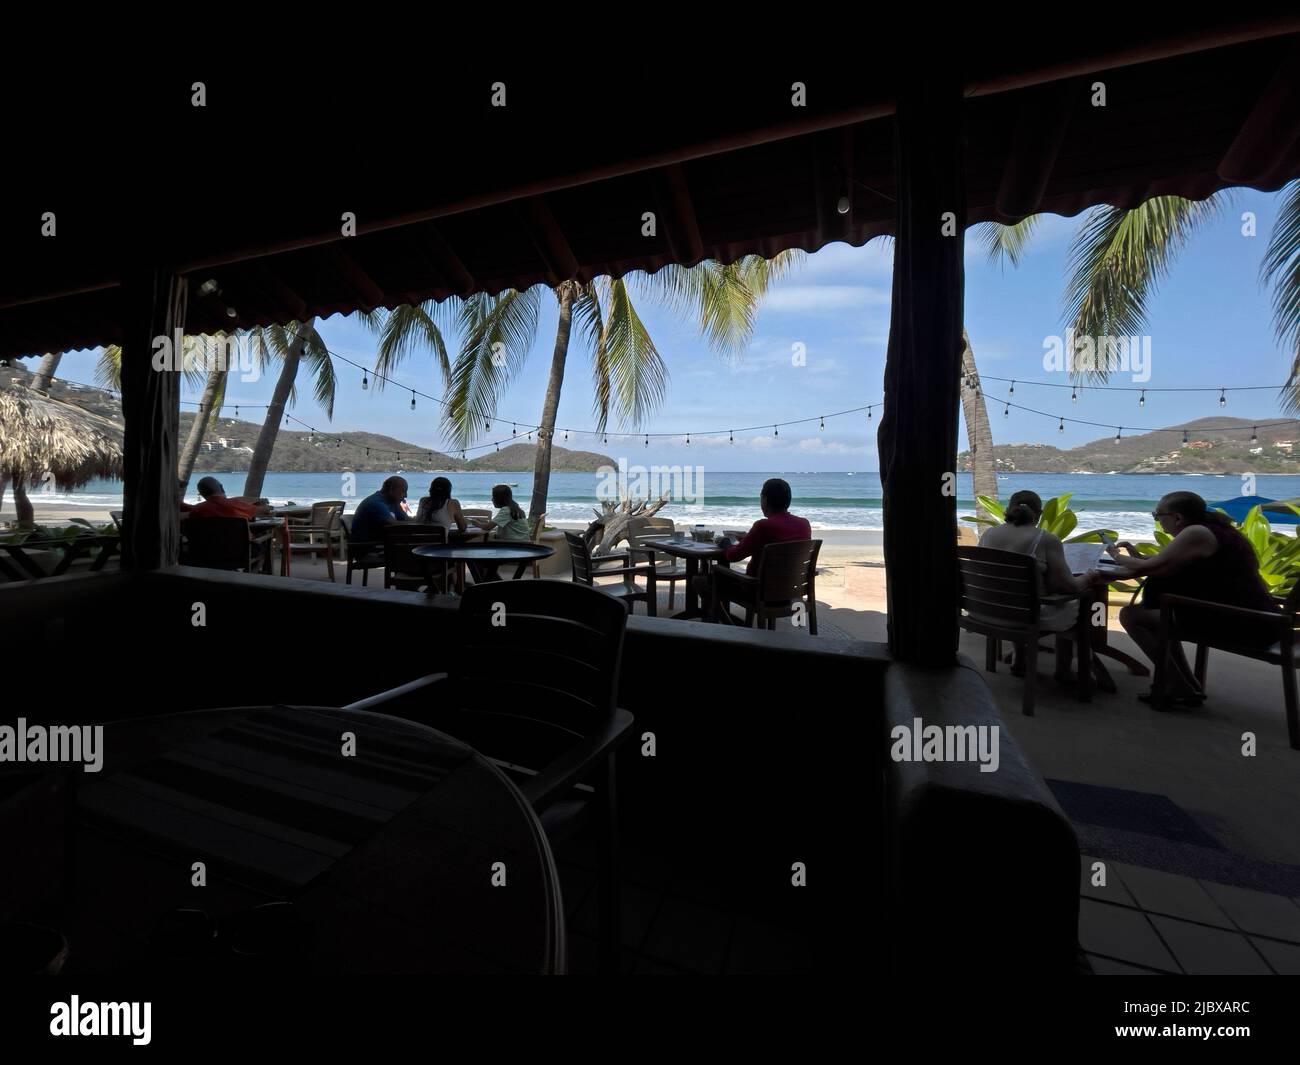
(555, 185)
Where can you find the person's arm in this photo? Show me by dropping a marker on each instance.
(1059, 579)
(752, 541)
(1194, 542)
(457, 516)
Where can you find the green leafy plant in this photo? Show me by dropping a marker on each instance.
(1278, 553)
(1057, 518)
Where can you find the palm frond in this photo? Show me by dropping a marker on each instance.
(1281, 269)
(316, 355)
(108, 368)
(497, 333)
(638, 377)
(407, 328)
(590, 319)
(1006, 244)
(1118, 259)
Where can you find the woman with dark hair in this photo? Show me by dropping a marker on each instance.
(1206, 559)
(1020, 533)
(438, 508)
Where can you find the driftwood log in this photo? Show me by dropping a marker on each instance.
(611, 524)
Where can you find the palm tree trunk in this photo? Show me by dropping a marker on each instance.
(542, 466)
(978, 433)
(45, 371)
(23, 505)
(275, 412)
(216, 377)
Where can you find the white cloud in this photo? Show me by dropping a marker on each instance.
(818, 445)
(797, 299)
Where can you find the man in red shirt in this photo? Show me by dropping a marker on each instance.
(216, 504)
(777, 525)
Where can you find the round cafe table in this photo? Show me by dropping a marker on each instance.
(413, 853)
(521, 554)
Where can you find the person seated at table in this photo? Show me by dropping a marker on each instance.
(1208, 558)
(776, 526)
(216, 504)
(508, 523)
(1020, 533)
(377, 510)
(438, 508)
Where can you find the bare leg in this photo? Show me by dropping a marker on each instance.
(1143, 625)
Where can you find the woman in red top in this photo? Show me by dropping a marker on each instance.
(1206, 559)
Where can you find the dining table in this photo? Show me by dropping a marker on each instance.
(519, 553)
(274, 524)
(699, 556)
(288, 840)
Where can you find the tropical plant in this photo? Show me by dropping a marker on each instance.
(497, 334)
(1057, 518)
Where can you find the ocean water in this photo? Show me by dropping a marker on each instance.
(845, 501)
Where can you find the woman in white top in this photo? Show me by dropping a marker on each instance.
(438, 508)
(1021, 534)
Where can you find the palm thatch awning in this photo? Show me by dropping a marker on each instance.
(40, 434)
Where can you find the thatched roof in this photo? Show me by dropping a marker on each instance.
(40, 434)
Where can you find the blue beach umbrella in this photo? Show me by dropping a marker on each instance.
(1276, 513)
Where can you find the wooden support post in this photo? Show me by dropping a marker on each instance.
(918, 430)
(154, 308)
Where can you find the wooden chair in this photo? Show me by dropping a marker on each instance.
(786, 574)
(538, 694)
(363, 555)
(667, 567)
(402, 567)
(321, 534)
(585, 573)
(222, 543)
(1209, 625)
(999, 599)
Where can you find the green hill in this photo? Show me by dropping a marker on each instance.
(1276, 451)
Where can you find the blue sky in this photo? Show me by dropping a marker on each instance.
(1210, 325)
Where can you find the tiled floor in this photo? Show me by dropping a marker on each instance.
(674, 921)
(1148, 921)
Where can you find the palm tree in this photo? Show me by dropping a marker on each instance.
(108, 372)
(498, 332)
(293, 345)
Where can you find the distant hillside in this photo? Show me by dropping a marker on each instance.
(1277, 451)
(524, 456)
(230, 443)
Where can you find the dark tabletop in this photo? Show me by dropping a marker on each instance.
(687, 548)
(387, 854)
(492, 551)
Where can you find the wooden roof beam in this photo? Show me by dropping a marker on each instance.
(358, 278)
(549, 239)
(448, 262)
(1036, 142)
(1270, 131)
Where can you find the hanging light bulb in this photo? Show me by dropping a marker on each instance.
(1223, 400)
(731, 433)
(776, 430)
(487, 425)
(1142, 399)
(1006, 411)
(513, 430)
(365, 381)
(566, 436)
(823, 425)
(1254, 434)
(1117, 432)
(498, 447)
(1012, 390)
(412, 399)
(1074, 395)
(605, 438)
(868, 412)
(647, 439)
(688, 439)
(338, 442)
(367, 452)
(236, 410)
(1061, 428)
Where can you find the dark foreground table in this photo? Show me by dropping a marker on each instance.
(413, 854)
